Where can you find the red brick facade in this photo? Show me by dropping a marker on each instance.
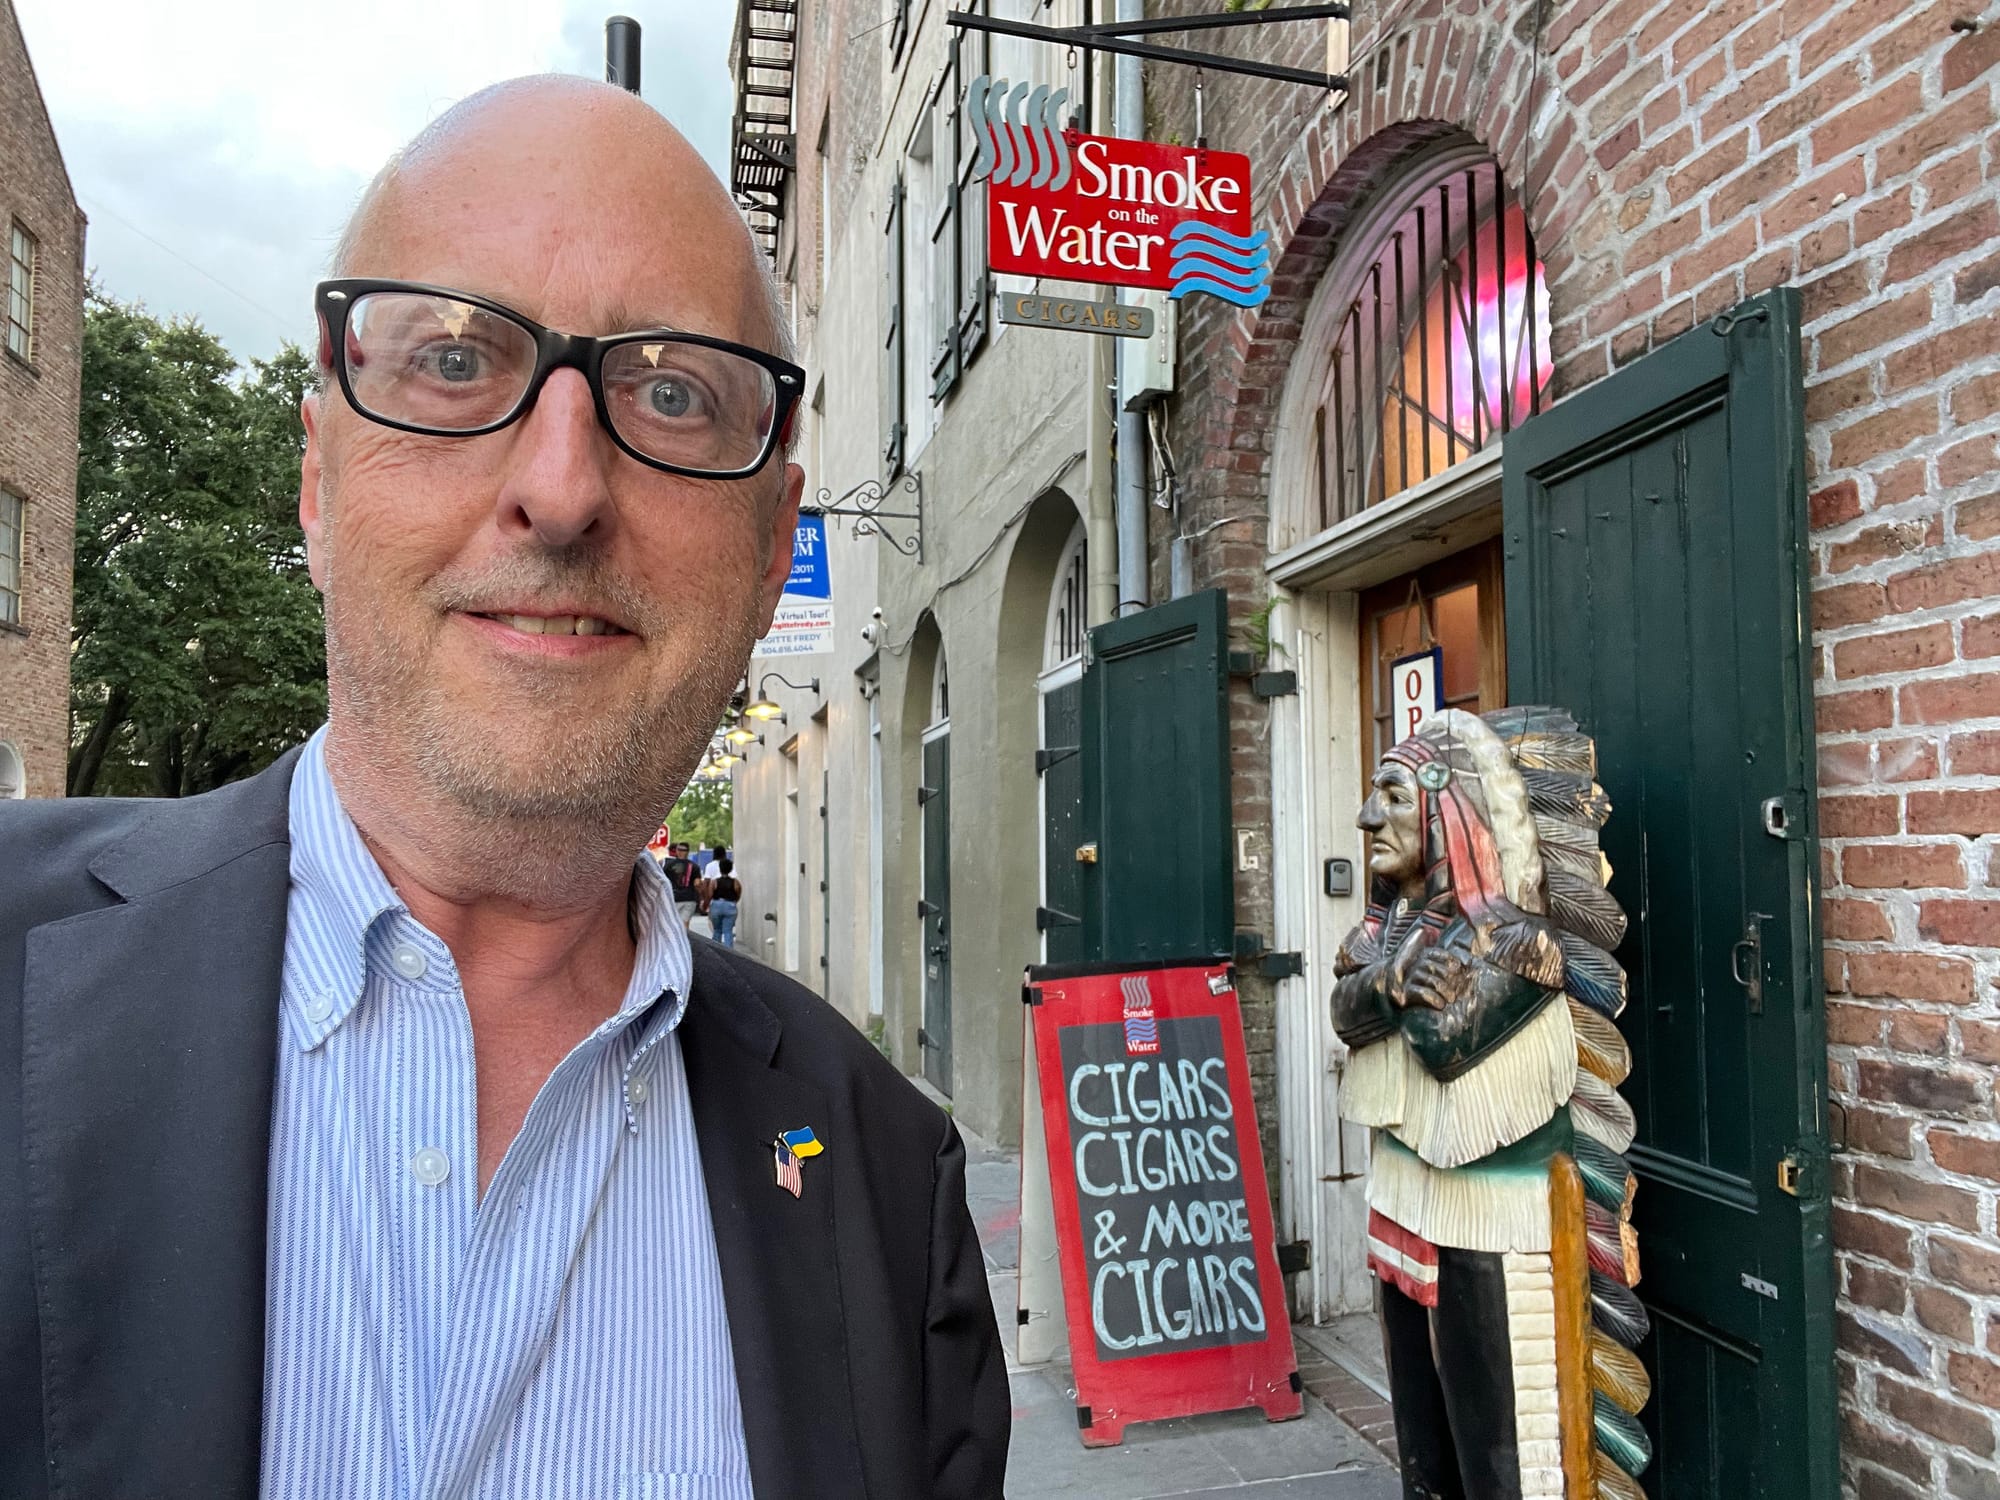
(38, 422)
(1683, 158)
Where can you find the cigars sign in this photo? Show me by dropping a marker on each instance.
(1098, 208)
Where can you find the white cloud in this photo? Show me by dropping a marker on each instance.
(218, 145)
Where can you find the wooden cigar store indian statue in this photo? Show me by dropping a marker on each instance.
(1478, 995)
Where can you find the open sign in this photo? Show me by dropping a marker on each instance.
(1415, 691)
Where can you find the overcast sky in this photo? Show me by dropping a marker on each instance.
(218, 145)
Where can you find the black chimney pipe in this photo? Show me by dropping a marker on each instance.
(621, 52)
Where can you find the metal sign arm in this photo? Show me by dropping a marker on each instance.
(1089, 39)
(1211, 22)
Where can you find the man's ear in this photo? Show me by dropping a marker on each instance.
(311, 519)
(784, 522)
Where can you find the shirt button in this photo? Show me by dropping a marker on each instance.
(408, 961)
(636, 1091)
(430, 1166)
(319, 1006)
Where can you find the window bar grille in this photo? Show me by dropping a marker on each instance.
(1401, 366)
(1381, 445)
(1500, 297)
(1424, 337)
(1529, 315)
(1444, 286)
(1472, 305)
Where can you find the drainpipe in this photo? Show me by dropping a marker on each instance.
(1132, 562)
(1101, 394)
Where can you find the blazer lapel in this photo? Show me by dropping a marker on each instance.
(149, 1037)
(780, 1267)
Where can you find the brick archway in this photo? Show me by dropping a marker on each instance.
(1446, 75)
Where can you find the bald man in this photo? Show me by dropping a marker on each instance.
(370, 1128)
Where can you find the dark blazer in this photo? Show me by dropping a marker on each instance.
(140, 948)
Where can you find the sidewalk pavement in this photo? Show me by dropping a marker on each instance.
(1238, 1454)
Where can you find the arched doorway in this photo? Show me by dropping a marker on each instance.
(1059, 692)
(1426, 342)
(934, 802)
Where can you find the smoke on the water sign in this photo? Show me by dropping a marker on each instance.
(1163, 1219)
(1099, 208)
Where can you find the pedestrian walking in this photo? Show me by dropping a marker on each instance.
(684, 880)
(724, 895)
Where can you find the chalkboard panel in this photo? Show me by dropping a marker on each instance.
(1163, 1219)
(1165, 1223)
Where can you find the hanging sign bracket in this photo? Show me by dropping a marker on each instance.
(1117, 37)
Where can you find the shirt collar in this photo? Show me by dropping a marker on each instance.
(340, 896)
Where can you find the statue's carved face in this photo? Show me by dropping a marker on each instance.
(1394, 827)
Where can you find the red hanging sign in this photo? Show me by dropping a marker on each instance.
(1098, 208)
(1163, 1220)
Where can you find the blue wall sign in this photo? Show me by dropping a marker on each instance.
(811, 579)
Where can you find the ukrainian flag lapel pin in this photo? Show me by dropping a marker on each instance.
(790, 1148)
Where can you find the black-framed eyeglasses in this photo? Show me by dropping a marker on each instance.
(445, 363)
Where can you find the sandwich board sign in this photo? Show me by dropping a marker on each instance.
(1079, 207)
(1171, 1288)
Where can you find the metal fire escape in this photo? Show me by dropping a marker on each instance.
(764, 149)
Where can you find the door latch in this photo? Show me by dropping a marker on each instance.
(1746, 962)
(1086, 854)
(1790, 1171)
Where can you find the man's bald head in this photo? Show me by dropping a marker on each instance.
(582, 129)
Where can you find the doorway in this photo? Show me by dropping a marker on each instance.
(934, 803)
(1059, 694)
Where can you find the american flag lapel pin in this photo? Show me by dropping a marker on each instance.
(787, 1167)
(788, 1150)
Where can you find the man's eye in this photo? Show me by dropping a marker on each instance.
(673, 397)
(456, 362)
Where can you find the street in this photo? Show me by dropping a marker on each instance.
(1226, 1453)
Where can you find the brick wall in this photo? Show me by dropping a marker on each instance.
(1685, 157)
(38, 422)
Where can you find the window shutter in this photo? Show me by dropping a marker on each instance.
(943, 312)
(899, 29)
(892, 348)
(973, 281)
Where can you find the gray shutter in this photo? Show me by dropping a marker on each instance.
(944, 235)
(973, 281)
(899, 30)
(892, 346)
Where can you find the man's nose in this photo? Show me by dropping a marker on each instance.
(558, 482)
(1370, 817)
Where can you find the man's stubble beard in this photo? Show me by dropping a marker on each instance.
(591, 791)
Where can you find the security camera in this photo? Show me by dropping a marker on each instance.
(872, 632)
(875, 613)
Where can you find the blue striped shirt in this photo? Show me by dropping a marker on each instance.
(564, 1336)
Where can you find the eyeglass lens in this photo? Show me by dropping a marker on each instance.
(450, 366)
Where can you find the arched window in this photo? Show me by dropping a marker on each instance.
(940, 693)
(1441, 344)
(13, 774)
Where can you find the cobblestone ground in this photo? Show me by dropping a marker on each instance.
(1320, 1457)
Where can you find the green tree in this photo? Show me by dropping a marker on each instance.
(198, 652)
(703, 816)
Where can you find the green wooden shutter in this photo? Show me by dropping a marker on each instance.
(893, 430)
(1656, 586)
(1155, 738)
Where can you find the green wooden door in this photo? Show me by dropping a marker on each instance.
(1655, 529)
(1156, 785)
(934, 797)
(1059, 763)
